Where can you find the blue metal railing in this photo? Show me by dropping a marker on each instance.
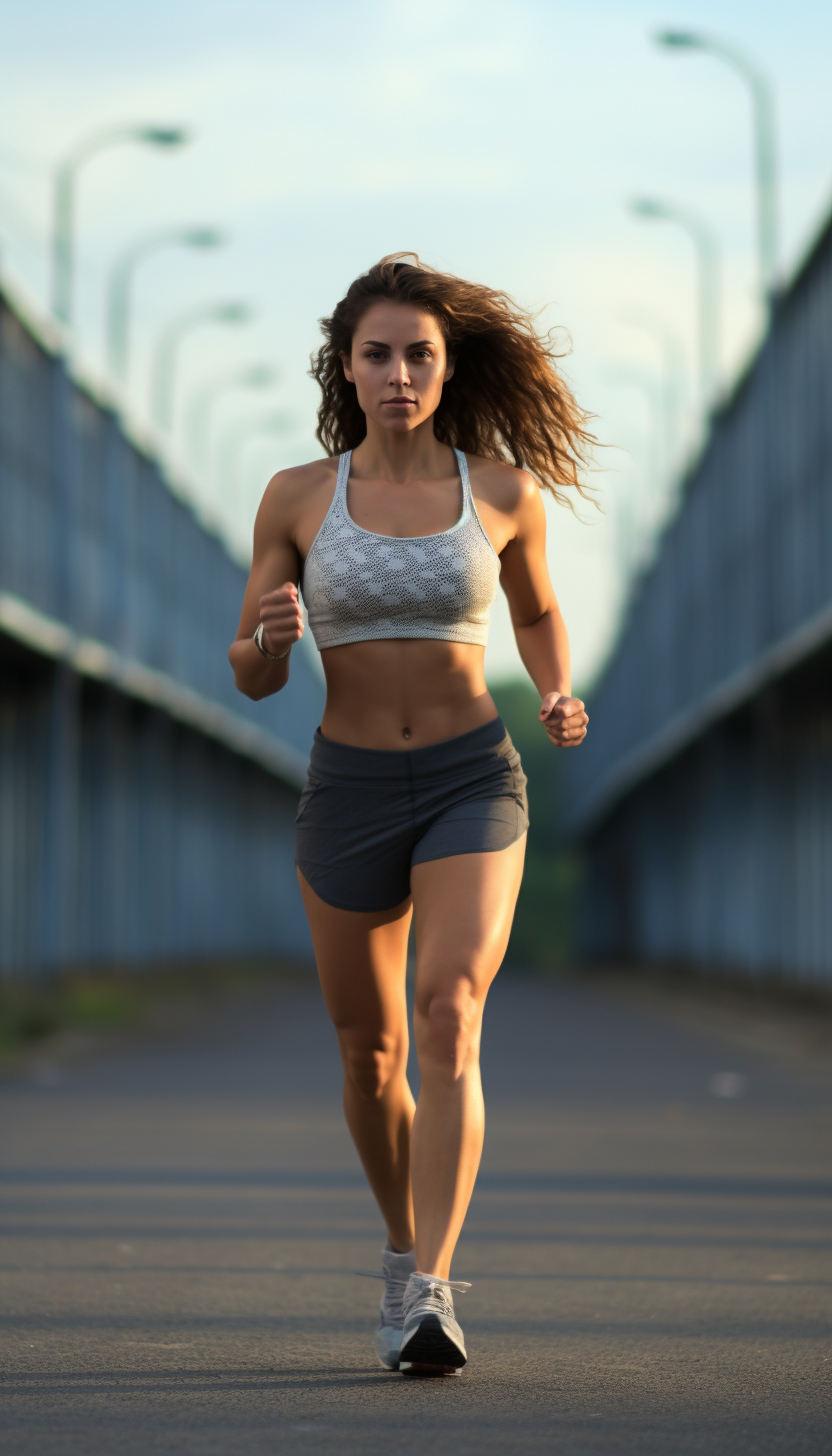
(146, 807)
(93, 538)
(742, 585)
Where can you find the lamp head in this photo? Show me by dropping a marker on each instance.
(164, 136)
(204, 238)
(647, 207)
(678, 39)
(234, 313)
(259, 376)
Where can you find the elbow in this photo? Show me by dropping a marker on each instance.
(248, 692)
(239, 680)
(547, 615)
(256, 692)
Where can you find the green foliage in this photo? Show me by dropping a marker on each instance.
(29, 1014)
(101, 1004)
(94, 1001)
(25, 1018)
(542, 934)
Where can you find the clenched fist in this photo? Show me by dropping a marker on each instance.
(281, 617)
(564, 720)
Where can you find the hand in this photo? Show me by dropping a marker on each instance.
(281, 617)
(564, 720)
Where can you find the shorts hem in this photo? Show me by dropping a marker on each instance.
(480, 849)
(341, 905)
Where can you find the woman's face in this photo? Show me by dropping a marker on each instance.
(398, 365)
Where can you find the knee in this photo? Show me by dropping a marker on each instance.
(371, 1062)
(448, 1032)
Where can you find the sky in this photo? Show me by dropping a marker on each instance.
(500, 141)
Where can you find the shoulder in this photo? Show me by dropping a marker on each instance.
(503, 487)
(295, 485)
(291, 498)
(294, 491)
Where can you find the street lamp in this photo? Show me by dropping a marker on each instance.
(257, 376)
(646, 386)
(239, 438)
(121, 281)
(707, 284)
(164, 364)
(765, 141)
(634, 517)
(673, 376)
(64, 199)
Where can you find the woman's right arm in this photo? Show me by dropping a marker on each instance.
(271, 597)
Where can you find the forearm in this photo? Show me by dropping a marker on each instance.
(255, 675)
(544, 651)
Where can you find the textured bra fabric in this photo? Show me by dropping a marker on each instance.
(359, 586)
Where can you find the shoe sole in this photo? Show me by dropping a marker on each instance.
(430, 1346)
(386, 1358)
(386, 1364)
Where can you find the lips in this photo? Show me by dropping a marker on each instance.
(400, 399)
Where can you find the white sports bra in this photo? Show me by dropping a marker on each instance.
(359, 586)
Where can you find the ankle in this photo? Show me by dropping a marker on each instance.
(400, 1246)
(432, 1270)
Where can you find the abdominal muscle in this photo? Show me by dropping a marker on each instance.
(404, 693)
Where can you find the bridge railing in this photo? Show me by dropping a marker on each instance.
(92, 538)
(146, 807)
(742, 584)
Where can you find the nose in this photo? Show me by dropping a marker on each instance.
(399, 372)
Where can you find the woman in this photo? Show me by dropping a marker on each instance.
(415, 805)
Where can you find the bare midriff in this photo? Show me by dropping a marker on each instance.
(403, 693)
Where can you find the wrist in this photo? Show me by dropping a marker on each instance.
(263, 648)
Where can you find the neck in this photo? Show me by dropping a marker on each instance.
(403, 457)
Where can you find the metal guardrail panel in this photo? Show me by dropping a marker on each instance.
(746, 563)
(703, 795)
(93, 537)
(146, 807)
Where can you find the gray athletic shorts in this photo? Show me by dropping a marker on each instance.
(366, 814)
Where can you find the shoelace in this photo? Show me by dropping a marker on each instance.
(393, 1293)
(431, 1287)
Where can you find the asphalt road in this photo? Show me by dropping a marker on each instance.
(650, 1258)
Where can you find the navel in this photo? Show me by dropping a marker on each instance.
(405, 733)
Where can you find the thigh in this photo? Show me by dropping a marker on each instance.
(362, 960)
(463, 908)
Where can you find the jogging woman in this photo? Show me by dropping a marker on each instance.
(415, 805)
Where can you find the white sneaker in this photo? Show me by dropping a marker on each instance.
(397, 1269)
(431, 1339)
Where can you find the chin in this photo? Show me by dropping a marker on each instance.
(400, 426)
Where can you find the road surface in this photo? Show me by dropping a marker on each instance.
(648, 1246)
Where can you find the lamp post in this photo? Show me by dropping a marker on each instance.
(239, 438)
(765, 141)
(64, 200)
(642, 521)
(707, 259)
(257, 376)
(167, 349)
(673, 376)
(121, 282)
(646, 386)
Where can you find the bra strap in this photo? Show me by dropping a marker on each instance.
(343, 476)
(463, 475)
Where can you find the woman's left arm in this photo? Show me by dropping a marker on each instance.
(538, 625)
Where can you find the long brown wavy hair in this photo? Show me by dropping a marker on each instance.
(506, 400)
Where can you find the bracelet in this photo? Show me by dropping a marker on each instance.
(258, 640)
